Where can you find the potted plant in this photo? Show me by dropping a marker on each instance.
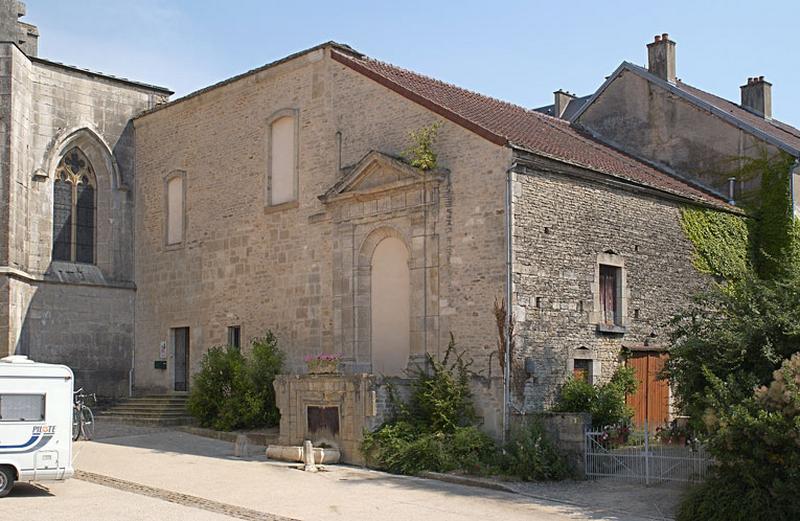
(673, 434)
(323, 363)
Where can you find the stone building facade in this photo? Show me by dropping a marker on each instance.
(78, 310)
(306, 268)
(279, 200)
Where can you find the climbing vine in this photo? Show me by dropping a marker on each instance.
(721, 242)
(765, 243)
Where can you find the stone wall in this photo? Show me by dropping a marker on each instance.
(563, 225)
(296, 269)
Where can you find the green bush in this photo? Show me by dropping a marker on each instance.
(232, 391)
(756, 447)
(436, 429)
(739, 334)
(605, 402)
(530, 455)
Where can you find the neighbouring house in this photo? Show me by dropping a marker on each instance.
(66, 210)
(280, 199)
(657, 117)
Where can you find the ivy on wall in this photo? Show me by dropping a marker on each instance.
(766, 243)
(721, 242)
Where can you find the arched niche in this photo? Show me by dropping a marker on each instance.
(390, 307)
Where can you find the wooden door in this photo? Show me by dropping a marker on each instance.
(650, 402)
(181, 341)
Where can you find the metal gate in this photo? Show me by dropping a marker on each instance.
(641, 457)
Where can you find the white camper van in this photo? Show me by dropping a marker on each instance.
(35, 422)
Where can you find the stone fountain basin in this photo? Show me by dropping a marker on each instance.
(294, 453)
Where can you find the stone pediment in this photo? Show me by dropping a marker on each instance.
(376, 173)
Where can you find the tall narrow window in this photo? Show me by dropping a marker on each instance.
(235, 336)
(175, 209)
(74, 209)
(282, 168)
(610, 301)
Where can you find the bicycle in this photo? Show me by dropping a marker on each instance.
(82, 416)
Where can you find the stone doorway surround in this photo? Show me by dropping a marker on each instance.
(380, 197)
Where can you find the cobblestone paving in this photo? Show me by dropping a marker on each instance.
(180, 499)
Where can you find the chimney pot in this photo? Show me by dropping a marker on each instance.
(562, 99)
(661, 58)
(757, 96)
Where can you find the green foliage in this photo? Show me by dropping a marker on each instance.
(530, 455)
(756, 446)
(232, 391)
(605, 402)
(721, 242)
(773, 230)
(436, 430)
(767, 244)
(420, 153)
(737, 335)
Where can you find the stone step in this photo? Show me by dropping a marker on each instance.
(153, 420)
(161, 414)
(144, 408)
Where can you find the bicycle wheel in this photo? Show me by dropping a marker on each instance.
(87, 423)
(76, 424)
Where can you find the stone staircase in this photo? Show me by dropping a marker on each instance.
(161, 411)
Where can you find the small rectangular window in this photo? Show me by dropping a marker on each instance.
(22, 407)
(235, 336)
(610, 298)
(582, 370)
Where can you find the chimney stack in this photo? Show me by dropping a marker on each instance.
(661, 57)
(562, 99)
(757, 96)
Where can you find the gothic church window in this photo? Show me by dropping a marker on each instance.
(74, 209)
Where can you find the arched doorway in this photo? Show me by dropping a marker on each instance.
(390, 307)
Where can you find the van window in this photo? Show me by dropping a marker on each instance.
(22, 407)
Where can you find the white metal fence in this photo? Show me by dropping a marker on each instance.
(640, 456)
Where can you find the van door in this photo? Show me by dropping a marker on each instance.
(180, 338)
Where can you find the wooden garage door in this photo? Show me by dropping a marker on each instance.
(650, 402)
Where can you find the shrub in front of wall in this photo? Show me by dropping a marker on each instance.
(232, 391)
(437, 429)
(605, 402)
(756, 448)
(530, 455)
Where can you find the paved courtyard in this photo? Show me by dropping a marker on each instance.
(140, 473)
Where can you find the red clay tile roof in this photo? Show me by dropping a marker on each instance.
(508, 124)
(777, 129)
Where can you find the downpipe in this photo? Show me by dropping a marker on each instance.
(509, 311)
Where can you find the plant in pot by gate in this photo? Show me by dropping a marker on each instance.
(323, 363)
(673, 434)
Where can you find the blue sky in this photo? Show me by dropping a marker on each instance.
(516, 51)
